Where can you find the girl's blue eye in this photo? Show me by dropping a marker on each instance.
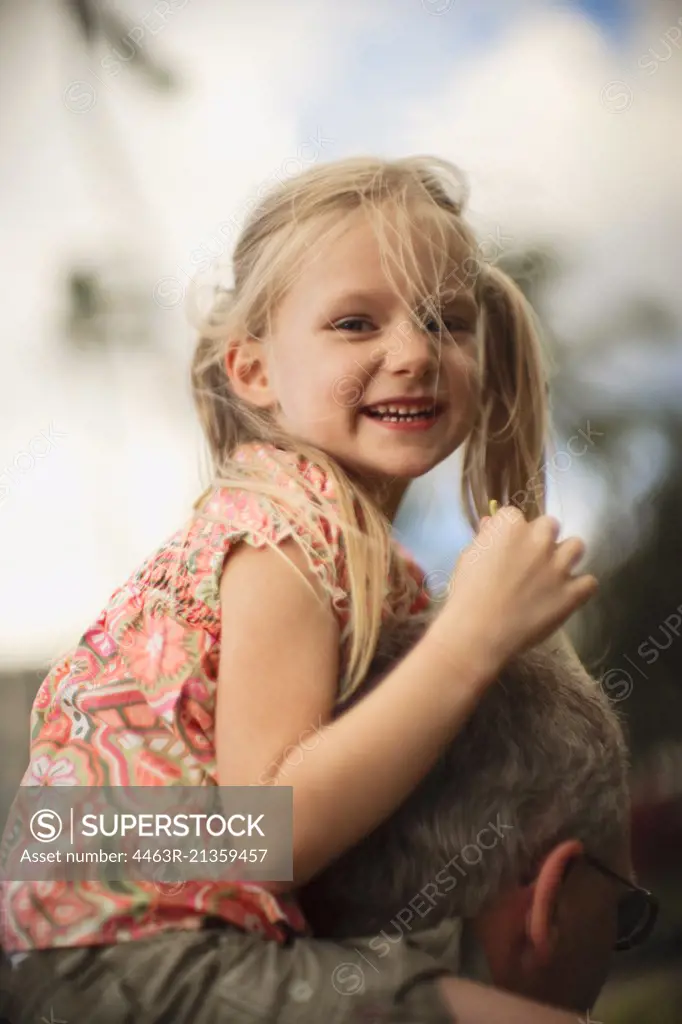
(452, 325)
(353, 324)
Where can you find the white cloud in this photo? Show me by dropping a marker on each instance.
(536, 122)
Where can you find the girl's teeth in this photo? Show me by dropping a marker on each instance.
(392, 414)
(393, 410)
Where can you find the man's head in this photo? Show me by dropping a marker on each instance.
(498, 831)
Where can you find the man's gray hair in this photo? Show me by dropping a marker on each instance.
(541, 759)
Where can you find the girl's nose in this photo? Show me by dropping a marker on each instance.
(410, 349)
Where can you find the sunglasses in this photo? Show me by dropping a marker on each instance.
(637, 908)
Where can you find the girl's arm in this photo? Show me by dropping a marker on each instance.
(279, 665)
(277, 684)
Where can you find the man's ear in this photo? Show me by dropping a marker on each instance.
(248, 372)
(541, 922)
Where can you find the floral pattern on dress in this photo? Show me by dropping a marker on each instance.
(134, 704)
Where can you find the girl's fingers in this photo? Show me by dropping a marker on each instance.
(512, 514)
(582, 589)
(568, 554)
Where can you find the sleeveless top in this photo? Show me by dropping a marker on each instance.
(134, 704)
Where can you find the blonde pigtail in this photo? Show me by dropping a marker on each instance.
(504, 455)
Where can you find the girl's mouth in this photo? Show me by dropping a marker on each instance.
(403, 417)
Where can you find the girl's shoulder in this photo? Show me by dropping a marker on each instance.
(292, 498)
(283, 473)
(298, 499)
(285, 496)
(296, 472)
(284, 463)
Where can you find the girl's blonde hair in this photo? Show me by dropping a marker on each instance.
(504, 451)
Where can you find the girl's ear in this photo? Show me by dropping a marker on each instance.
(248, 372)
(504, 455)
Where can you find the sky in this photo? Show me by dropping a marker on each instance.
(560, 115)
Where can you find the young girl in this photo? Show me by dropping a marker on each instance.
(362, 344)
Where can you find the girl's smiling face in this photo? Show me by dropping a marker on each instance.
(348, 335)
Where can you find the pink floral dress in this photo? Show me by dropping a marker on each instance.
(134, 704)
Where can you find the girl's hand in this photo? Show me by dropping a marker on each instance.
(513, 586)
